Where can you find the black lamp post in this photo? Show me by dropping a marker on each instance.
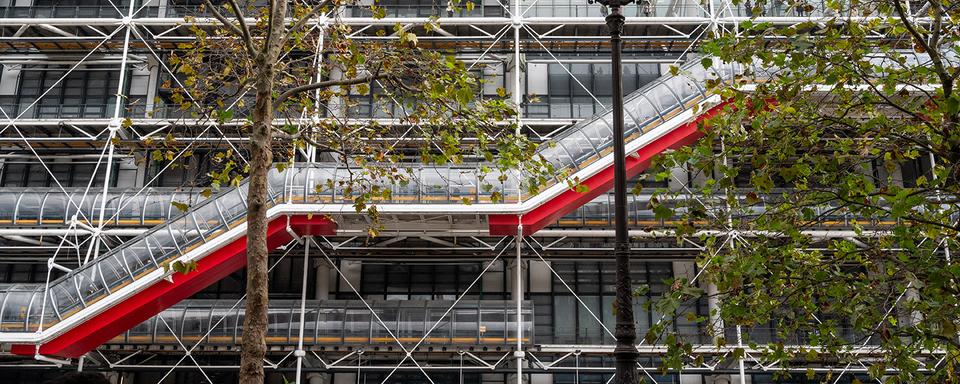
(626, 333)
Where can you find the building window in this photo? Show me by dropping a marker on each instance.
(594, 283)
(424, 282)
(86, 93)
(31, 174)
(553, 93)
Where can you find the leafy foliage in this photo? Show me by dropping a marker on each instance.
(430, 97)
(842, 126)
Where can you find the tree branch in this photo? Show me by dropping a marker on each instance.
(934, 54)
(326, 84)
(223, 20)
(247, 40)
(301, 22)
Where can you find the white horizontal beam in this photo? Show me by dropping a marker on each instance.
(451, 21)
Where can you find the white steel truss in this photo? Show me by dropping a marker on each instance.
(88, 235)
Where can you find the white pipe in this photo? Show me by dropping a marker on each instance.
(462, 21)
(817, 234)
(303, 308)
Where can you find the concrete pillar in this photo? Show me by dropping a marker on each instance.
(319, 378)
(129, 172)
(351, 272)
(524, 379)
(717, 330)
(726, 379)
(112, 377)
(322, 286)
(541, 279)
(713, 307)
(541, 378)
(345, 378)
(512, 278)
(678, 178)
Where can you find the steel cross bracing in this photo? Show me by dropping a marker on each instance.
(144, 32)
(530, 27)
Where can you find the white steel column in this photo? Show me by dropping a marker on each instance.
(318, 62)
(518, 101)
(517, 93)
(115, 125)
(300, 353)
(518, 297)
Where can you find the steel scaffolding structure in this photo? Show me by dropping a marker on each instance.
(74, 229)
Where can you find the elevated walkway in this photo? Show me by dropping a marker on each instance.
(330, 323)
(118, 290)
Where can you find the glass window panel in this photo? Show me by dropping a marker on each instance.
(589, 330)
(599, 134)
(113, 272)
(388, 317)
(583, 73)
(492, 326)
(138, 258)
(559, 81)
(278, 329)
(330, 325)
(54, 207)
(411, 324)
(463, 184)
(565, 321)
(29, 207)
(642, 111)
(435, 184)
(441, 332)
(195, 323)
(356, 326)
(63, 292)
(579, 146)
(8, 202)
(465, 326)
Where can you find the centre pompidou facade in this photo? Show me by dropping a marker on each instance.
(458, 286)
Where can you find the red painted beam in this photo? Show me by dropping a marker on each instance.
(144, 304)
(600, 183)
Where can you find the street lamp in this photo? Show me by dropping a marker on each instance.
(626, 333)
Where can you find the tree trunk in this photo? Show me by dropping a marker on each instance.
(254, 344)
(254, 347)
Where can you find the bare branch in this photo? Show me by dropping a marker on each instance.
(935, 58)
(247, 40)
(326, 84)
(223, 20)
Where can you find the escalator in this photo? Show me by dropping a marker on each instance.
(126, 286)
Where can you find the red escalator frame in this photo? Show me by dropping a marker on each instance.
(136, 309)
(600, 183)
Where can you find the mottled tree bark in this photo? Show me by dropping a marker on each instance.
(255, 320)
(253, 344)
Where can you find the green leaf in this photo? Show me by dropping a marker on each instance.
(183, 207)
(953, 104)
(225, 115)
